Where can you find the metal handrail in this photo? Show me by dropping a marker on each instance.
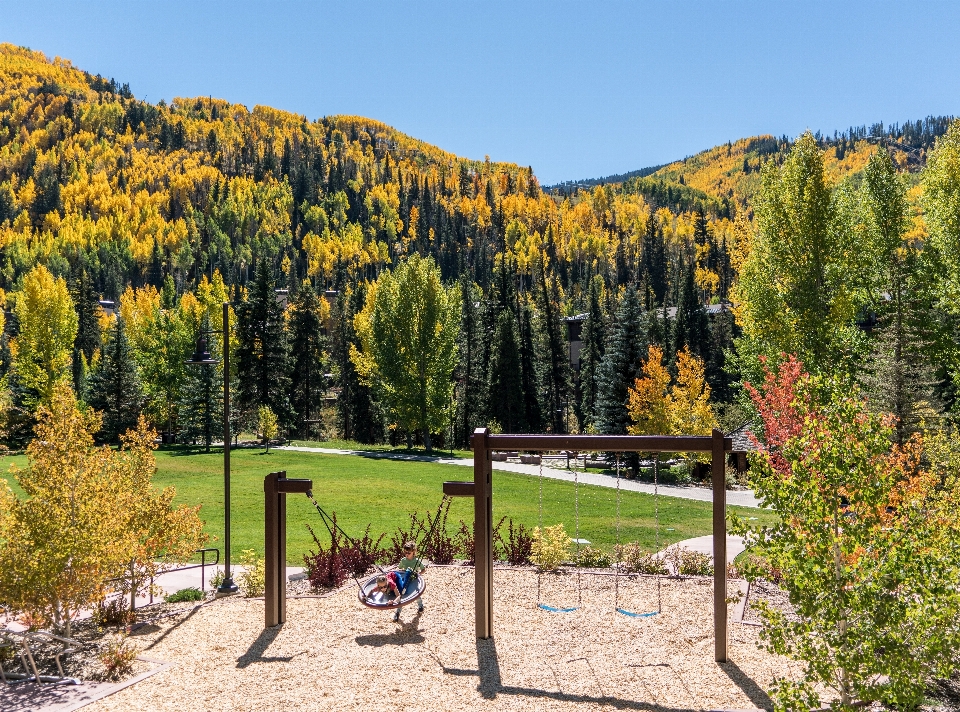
(202, 566)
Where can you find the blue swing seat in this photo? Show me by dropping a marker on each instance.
(637, 615)
(553, 609)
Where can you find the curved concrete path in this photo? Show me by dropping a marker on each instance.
(739, 498)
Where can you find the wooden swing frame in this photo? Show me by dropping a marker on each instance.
(481, 489)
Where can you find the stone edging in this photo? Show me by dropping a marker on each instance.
(161, 665)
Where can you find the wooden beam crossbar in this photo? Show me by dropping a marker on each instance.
(607, 443)
(485, 443)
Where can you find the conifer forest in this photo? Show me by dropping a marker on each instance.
(384, 290)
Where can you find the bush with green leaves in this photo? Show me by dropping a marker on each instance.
(687, 562)
(591, 558)
(252, 580)
(632, 558)
(185, 595)
(550, 548)
(866, 543)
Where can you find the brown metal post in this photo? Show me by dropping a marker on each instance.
(273, 534)
(483, 532)
(718, 467)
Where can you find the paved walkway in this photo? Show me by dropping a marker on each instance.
(704, 544)
(740, 498)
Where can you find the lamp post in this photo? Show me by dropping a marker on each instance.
(201, 357)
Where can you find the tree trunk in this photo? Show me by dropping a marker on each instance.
(427, 443)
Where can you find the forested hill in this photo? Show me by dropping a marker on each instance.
(95, 181)
(92, 178)
(725, 178)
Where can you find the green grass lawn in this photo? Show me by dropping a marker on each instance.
(382, 493)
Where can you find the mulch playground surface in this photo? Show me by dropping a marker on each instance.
(334, 654)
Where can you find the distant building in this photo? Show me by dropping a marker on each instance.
(743, 442)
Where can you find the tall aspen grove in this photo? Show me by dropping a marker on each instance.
(325, 235)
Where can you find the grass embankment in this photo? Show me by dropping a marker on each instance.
(382, 493)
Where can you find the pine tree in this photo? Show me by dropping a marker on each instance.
(723, 331)
(263, 370)
(622, 361)
(653, 260)
(114, 386)
(505, 390)
(691, 328)
(898, 376)
(87, 304)
(591, 353)
(532, 408)
(200, 405)
(471, 373)
(308, 343)
(555, 360)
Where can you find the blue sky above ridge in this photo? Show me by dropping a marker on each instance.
(574, 89)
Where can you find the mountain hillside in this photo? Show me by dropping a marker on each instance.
(726, 177)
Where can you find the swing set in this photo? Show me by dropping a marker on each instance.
(578, 541)
(481, 489)
(277, 485)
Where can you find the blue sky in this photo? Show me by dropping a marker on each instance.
(574, 89)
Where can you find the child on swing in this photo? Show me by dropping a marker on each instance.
(395, 582)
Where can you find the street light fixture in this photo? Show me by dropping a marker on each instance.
(202, 357)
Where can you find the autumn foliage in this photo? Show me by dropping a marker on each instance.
(89, 514)
(864, 546)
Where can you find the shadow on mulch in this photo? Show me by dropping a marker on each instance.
(406, 634)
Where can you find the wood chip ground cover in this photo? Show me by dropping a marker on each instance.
(333, 654)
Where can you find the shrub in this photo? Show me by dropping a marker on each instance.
(518, 545)
(591, 558)
(686, 562)
(403, 535)
(551, 547)
(253, 579)
(440, 547)
(113, 612)
(217, 579)
(633, 559)
(185, 594)
(365, 554)
(329, 567)
(118, 656)
(468, 542)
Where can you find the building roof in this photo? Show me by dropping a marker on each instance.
(743, 438)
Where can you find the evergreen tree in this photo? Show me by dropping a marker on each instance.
(114, 386)
(87, 304)
(470, 373)
(532, 409)
(898, 377)
(591, 353)
(626, 346)
(505, 390)
(200, 405)
(691, 328)
(308, 342)
(555, 361)
(653, 260)
(263, 370)
(723, 331)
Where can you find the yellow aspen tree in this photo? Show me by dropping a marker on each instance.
(689, 407)
(48, 328)
(89, 514)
